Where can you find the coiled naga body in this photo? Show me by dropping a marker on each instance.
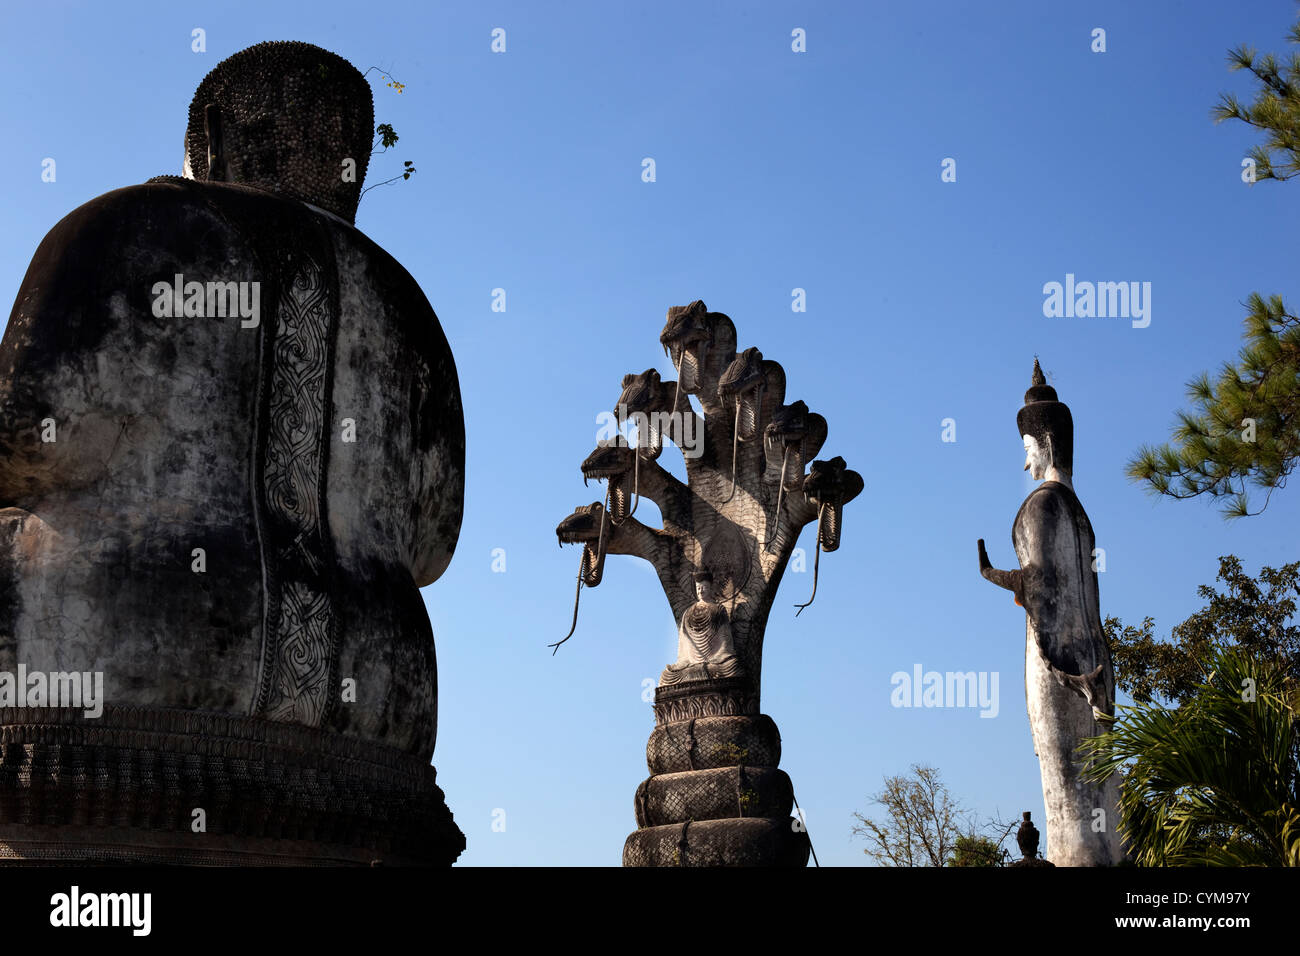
(715, 796)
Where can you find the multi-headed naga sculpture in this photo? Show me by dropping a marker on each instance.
(715, 796)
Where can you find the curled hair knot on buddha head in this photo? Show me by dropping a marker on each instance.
(285, 117)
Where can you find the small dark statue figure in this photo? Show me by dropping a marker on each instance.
(1027, 840)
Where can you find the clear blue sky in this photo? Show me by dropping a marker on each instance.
(775, 170)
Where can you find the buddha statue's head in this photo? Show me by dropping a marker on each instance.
(287, 117)
(704, 586)
(1048, 431)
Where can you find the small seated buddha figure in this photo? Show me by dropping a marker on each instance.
(704, 646)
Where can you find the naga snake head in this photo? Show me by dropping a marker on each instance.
(792, 437)
(583, 526)
(789, 424)
(831, 485)
(645, 399)
(686, 339)
(587, 526)
(642, 392)
(612, 461)
(741, 387)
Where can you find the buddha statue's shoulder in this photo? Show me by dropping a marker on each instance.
(169, 191)
(186, 217)
(171, 212)
(1049, 503)
(1051, 513)
(1044, 499)
(259, 210)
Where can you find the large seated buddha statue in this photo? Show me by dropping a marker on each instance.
(231, 454)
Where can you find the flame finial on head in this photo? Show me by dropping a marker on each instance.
(1039, 390)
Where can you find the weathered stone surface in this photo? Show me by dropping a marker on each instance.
(756, 841)
(717, 794)
(308, 453)
(707, 742)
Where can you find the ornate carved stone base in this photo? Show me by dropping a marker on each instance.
(705, 698)
(125, 788)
